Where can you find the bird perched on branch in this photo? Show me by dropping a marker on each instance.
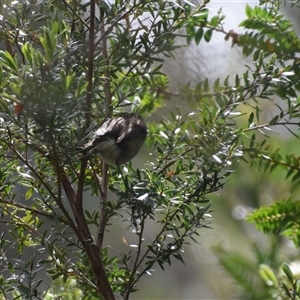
(119, 139)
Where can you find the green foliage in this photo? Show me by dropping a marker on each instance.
(280, 217)
(290, 284)
(270, 32)
(54, 90)
(65, 289)
(252, 272)
(275, 72)
(260, 275)
(63, 73)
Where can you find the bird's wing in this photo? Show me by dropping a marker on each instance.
(104, 128)
(130, 127)
(125, 126)
(108, 130)
(129, 132)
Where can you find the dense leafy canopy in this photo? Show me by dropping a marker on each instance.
(65, 69)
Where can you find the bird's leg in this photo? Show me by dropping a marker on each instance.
(124, 179)
(97, 178)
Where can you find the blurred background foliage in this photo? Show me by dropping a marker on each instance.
(221, 144)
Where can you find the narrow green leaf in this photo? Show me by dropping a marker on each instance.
(1, 76)
(248, 11)
(274, 120)
(237, 80)
(268, 275)
(287, 271)
(28, 54)
(250, 119)
(9, 61)
(199, 35)
(29, 193)
(208, 35)
(69, 81)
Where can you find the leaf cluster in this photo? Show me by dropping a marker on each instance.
(262, 274)
(56, 85)
(280, 217)
(62, 77)
(269, 31)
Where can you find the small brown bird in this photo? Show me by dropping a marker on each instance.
(119, 139)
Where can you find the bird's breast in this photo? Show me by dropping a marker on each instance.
(108, 151)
